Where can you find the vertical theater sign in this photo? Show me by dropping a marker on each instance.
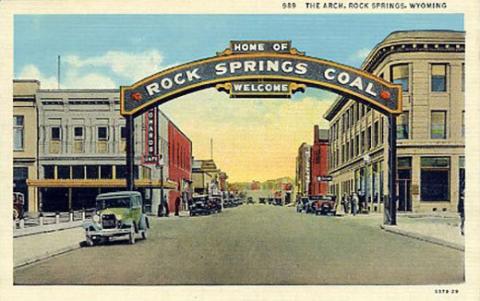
(264, 69)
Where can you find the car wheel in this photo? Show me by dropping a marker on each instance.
(131, 236)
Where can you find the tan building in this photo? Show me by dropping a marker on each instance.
(25, 137)
(430, 133)
(302, 174)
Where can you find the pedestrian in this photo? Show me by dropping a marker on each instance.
(177, 207)
(461, 212)
(345, 203)
(355, 202)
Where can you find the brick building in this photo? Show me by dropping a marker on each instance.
(319, 162)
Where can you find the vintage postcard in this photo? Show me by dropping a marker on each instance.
(249, 150)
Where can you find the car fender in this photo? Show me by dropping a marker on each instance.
(143, 224)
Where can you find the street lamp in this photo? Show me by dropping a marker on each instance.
(366, 161)
(160, 164)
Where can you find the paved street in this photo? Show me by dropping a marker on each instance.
(255, 244)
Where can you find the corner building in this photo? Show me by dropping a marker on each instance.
(430, 132)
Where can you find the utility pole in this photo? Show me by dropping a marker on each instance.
(58, 72)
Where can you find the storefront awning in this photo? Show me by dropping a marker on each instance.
(102, 183)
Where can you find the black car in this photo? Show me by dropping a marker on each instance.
(200, 205)
(302, 204)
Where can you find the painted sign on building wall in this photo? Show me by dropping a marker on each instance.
(150, 155)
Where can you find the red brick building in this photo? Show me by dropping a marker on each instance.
(180, 162)
(319, 162)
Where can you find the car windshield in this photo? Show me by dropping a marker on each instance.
(113, 203)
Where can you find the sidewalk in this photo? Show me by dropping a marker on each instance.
(440, 228)
(32, 248)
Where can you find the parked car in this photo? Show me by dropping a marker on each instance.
(302, 204)
(199, 205)
(325, 204)
(117, 214)
(18, 202)
(277, 201)
(215, 203)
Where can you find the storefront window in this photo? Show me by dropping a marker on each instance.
(78, 172)
(438, 125)
(63, 172)
(399, 75)
(92, 172)
(435, 179)
(48, 172)
(106, 171)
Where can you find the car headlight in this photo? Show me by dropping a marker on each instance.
(96, 218)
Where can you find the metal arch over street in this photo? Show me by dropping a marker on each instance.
(260, 66)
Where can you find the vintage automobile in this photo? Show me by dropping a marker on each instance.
(200, 205)
(215, 203)
(302, 204)
(117, 214)
(18, 202)
(324, 205)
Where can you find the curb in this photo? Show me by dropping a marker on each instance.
(47, 255)
(422, 237)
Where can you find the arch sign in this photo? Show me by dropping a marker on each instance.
(260, 69)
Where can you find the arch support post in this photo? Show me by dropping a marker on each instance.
(130, 152)
(390, 209)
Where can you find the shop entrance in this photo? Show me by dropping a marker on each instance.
(264, 69)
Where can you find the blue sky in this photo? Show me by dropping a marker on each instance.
(252, 139)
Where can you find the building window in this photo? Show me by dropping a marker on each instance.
(438, 124)
(439, 77)
(63, 172)
(102, 133)
(399, 75)
(106, 171)
(463, 123)
(375, 133)
(435, 179)
(362, 142)
(357, 144)
(78, 172)
(78, 133)
(18, 128)
(463, 77)
(55, 133)
(92, 172)
(402, 125)
(120, 171)
(48, 171)
(123, 132)
(369, 137)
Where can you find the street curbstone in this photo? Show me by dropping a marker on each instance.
(426, 238)
(47, 255)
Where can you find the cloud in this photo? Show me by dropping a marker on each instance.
(71, 80)
(32, 72)
(126, 65)
(360, 54)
